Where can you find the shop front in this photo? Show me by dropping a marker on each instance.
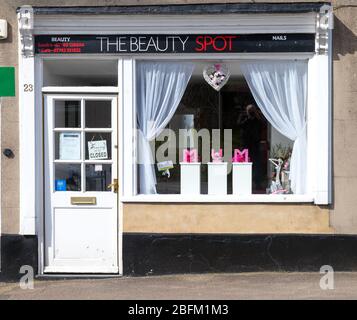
(174, 123)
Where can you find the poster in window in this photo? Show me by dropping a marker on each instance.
(70, 146)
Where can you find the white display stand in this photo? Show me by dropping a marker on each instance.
(190, 178)
(242, 178)
(217, 178)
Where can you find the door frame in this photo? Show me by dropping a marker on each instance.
(72, 91)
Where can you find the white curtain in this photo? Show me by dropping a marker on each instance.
(280, 91)
(160, 87)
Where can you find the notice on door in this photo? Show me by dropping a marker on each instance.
(70, 146)
(97, 150)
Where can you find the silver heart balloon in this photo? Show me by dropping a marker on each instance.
(216, 75)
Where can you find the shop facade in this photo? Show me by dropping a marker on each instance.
(131, 161)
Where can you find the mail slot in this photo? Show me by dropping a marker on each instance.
(80, 201)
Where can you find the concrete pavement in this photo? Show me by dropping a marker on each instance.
(191, 287)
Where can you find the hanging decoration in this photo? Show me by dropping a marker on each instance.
(216, 75)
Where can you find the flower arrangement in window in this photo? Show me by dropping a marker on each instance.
(280, 159)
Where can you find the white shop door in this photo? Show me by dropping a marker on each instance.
(80, 150)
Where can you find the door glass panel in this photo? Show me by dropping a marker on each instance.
(67, 177)
(98, 177)
(98, 114)
(88, 139)
(68, 146)
(67, 114)
(98, 146)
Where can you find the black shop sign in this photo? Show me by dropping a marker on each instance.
(165, 44)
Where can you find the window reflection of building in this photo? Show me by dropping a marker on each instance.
(239, 113)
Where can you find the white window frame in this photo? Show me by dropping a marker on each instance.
(316, 135)
(30, 103)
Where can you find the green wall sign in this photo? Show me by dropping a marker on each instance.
(7, 82)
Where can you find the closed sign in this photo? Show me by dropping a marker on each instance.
(97, 150)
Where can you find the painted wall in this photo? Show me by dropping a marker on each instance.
(310, 219)
(225, 218)
(9, 129)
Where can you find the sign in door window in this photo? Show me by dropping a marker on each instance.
(83, 145)
(70, 146)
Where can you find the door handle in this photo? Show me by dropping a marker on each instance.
(114, 186)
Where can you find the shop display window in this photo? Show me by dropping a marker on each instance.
(259, 109)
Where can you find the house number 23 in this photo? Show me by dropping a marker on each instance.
(28, 87)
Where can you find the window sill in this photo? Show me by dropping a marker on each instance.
(257, 198)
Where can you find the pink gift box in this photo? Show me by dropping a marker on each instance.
(217, 156)
(190, 155)
(241, 156)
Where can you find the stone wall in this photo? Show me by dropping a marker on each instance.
(343, 218)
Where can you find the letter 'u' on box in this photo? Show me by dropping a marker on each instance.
(3, 29)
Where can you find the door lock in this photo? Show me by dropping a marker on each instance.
(114, 186)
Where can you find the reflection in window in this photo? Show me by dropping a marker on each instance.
(98, 177)
(233, 108)
(98, 114)
(67, 114)
(67, 177)
(199, 110)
